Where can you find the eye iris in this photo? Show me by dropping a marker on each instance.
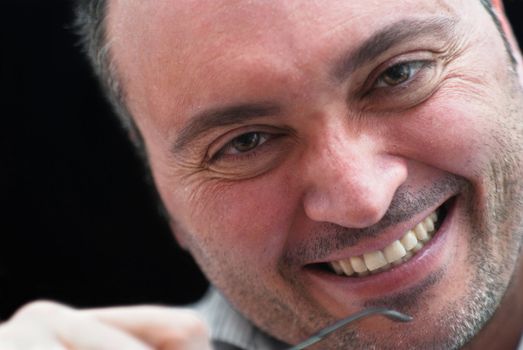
(397, 74)
(246, 142)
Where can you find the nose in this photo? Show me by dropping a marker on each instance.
(350, 182)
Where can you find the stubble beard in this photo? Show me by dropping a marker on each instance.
(459, 321)
(495, 241)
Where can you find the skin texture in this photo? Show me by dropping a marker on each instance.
(47, 325)
(345, 160)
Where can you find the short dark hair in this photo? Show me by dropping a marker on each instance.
(90, 24)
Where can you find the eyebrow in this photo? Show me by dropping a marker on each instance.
(390, 36)
(378, 43)
(223, 116)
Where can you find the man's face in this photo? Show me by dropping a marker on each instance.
(290, 138)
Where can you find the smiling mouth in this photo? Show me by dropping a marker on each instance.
(395, 254)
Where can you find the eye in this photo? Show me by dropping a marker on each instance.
(245, 142)
(399, 73)
(247, 151)
(403, 82)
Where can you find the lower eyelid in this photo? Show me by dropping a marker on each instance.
(253, 163)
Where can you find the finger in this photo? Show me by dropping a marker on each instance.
(161, 327)
(73, 329)
(25, 335)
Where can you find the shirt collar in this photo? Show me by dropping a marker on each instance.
(229, 326)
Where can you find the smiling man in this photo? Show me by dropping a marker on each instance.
(318, 158)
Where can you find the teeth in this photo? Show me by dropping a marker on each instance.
(429, 224)
(336, 265)
(421, 233)
(374, 260)
(394, 254)
(346, 267)
(409, 241)
(358, 264)
(417, 248)
(394, 251)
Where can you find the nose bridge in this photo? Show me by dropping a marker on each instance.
(351, 181)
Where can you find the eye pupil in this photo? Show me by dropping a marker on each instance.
(397, 74)
(246, 142)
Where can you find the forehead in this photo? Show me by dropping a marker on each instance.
(168, 50)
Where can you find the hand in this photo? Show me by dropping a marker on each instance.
(46, 325)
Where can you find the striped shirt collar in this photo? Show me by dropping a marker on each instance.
(229, 326)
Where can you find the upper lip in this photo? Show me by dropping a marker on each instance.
(382, 239)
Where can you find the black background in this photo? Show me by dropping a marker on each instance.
(78, 223)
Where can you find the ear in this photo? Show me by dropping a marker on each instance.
(507, 29)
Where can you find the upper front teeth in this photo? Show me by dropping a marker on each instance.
(398, 251)
(395, 251)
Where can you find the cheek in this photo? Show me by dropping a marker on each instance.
(248, 218)
(453, 136)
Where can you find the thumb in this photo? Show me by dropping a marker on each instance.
(160, 327)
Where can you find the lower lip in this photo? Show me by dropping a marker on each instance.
(436, 254)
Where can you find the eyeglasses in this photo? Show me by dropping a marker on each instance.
(322, 334)
(390, 314)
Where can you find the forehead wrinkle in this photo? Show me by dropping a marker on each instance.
(286, 42)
